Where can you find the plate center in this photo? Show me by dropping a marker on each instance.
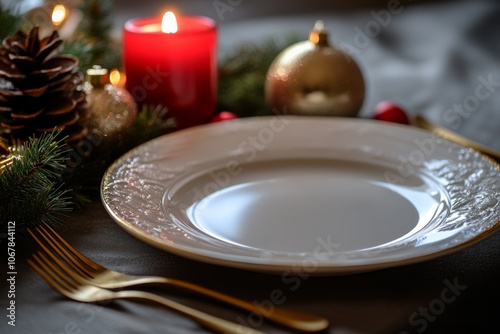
(313, 206)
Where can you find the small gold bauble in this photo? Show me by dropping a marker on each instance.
(111, 109)
(314, 78)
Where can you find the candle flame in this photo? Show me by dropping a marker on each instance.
(169, 23)
(58, 14)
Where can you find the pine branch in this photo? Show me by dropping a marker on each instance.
(46, 204)
(29, 192)
(97, 24)
(9, 21)
(40, 161)
(242, 76)
(94, 45)
(151, 122)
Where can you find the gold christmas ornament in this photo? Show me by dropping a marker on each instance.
(111, 109)
(314, 78)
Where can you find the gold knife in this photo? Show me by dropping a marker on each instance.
(421, 122)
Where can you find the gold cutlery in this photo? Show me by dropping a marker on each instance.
(102, 277)
(76, 288)
(423, 123)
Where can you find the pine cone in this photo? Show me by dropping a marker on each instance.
(39, 90)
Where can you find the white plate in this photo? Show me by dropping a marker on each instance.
(322, 195)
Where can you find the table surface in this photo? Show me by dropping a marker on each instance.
(429, 58)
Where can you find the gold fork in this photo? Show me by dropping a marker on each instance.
(73, 287)
(95, 274)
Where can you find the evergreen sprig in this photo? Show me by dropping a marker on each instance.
(242, 76)
(97, 23)
(151, 122)
(95, 30)
(93, 44)
(31, 193)
(9, 21)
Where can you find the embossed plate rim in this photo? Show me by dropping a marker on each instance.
(150, 227)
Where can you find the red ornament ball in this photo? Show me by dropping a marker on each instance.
(224, 116)
(390, 112)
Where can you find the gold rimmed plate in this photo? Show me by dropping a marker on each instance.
(332, 195)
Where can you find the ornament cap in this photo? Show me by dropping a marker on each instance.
(319, 34)
(97, 76)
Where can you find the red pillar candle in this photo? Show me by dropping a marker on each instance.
(176, 69)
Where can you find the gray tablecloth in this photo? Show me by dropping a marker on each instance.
(430, 58)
